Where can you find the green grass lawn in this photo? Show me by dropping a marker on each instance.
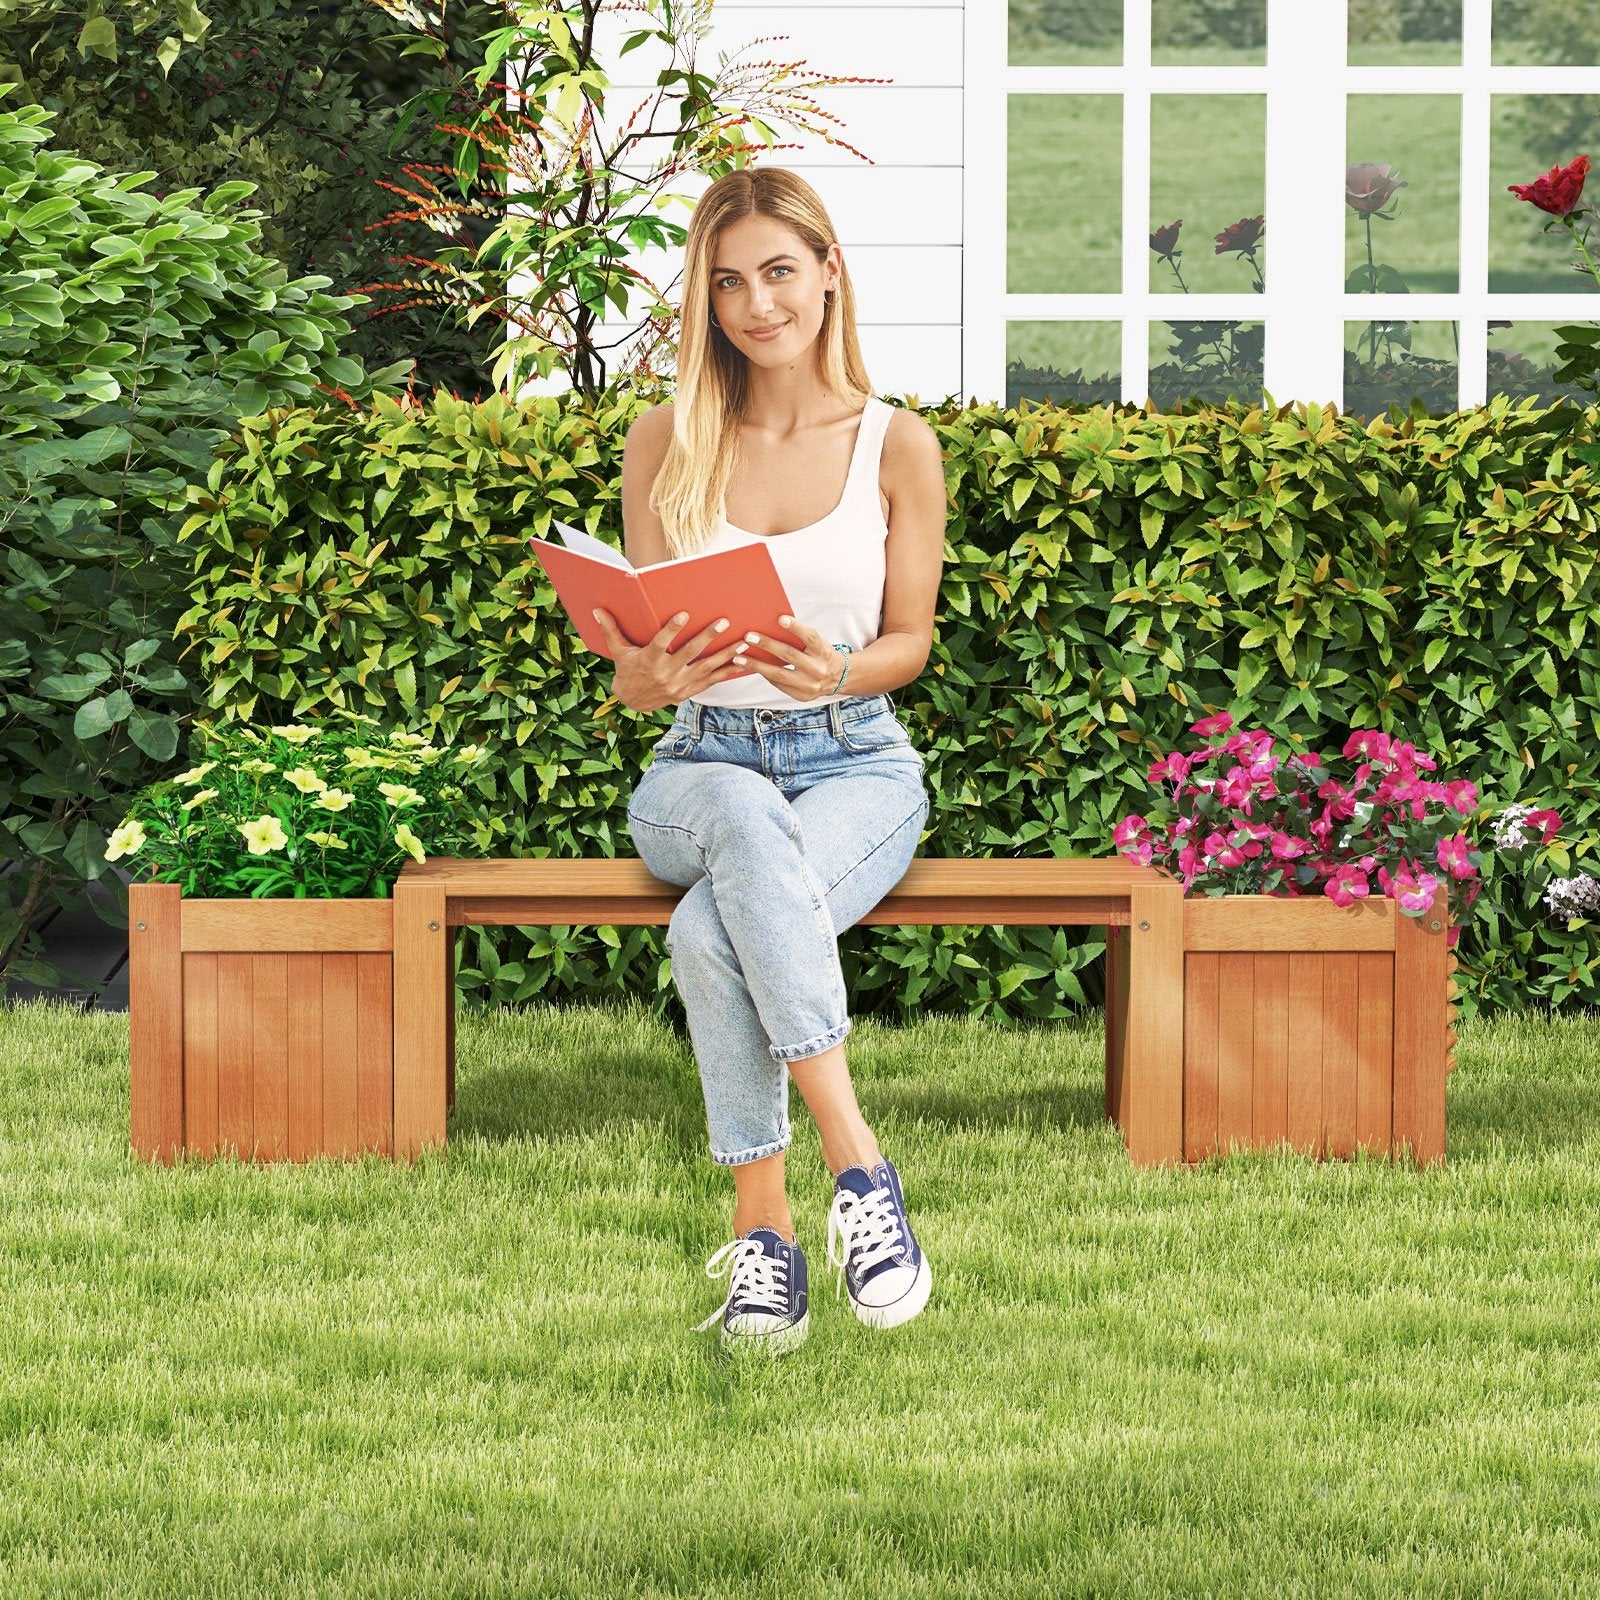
(1265, 1376)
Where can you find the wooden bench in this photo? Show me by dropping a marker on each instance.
(1144, 1050)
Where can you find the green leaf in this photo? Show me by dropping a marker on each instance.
(98, 34)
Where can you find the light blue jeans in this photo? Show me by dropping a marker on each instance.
(785, 827)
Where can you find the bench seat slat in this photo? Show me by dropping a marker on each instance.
(610, 910)
(988, 881)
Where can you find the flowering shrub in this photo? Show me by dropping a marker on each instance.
(1291, 828)
(300, 812)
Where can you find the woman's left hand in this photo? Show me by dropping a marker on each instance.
(814, 670)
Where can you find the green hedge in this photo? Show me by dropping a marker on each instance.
(1110, 577)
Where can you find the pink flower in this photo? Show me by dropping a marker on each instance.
(1463, 796)
(1285, 848)
(1129, 829)
(1368, 742)
(1206, 726)
(1452, 855)
(1549, 821)
(1414, 890)
(1173, 766)
(1347, 885)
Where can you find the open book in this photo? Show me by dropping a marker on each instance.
(741, 584)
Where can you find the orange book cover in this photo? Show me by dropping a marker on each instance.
(741, 584)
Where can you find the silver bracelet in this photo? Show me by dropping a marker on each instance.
(847, 652)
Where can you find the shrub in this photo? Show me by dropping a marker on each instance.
(134, 333)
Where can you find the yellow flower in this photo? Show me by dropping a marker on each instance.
(125, 839)
(195, 774)
(335, 799)
(401, 794)
(409, 842)
(194, 800)
(256, 764)
(305, 780)
(294, 732)
(358, 756)
(264, 834)
(328, 841)
(469, 755)
(401, 736)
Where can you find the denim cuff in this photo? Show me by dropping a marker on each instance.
(810, 1047)
(756, 1154)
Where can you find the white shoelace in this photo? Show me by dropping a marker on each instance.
(866, 1223)
(757, 1279)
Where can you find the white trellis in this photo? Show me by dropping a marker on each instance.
(1306, 84)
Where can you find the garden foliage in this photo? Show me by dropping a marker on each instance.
(134, 332)
(303, 99)
(1110, 576)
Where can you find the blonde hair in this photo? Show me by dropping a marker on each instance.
(713, 378)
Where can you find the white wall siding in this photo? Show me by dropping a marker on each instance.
(899, 219)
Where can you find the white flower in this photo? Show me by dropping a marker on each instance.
(126, 838)
(264, 834)
(1573, 897)
(305, 780)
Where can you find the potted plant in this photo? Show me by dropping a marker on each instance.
(275, 967)
(1316, 1013)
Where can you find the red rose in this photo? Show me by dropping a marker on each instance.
(1163, 240)
(1243, 235)
(1558, 191)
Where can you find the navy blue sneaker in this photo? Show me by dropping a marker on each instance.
(888, 1276)
(768, 1305)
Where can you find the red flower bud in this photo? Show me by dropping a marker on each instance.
(1164, 240)
(1243, 235)
(1558, 191)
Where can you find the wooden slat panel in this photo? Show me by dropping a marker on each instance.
(287, 925)
(1269, 1110)
(1265, 922)
(235, 1061)
(1307, 1130)
(200, 1054)
(1420, 1001)
(155, 1020)
(374, 1057)
(419, 1008)
(1153, 1051)
(1340, 1043)
(1201, 1007)
(305, 1055)
(271, 1054)
(1375, 1052)
(340, 1125)
(1236, 999)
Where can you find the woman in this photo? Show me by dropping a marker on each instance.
(787, 799)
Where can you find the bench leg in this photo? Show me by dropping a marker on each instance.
(1150, 1042)
(1116, 1020)
(421, 941)
(449, 1022)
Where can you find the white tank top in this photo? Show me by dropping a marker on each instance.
(833, 570)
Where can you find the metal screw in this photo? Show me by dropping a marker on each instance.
(141, 927)
(1433, 927)
(1144, 927)
(433, 927)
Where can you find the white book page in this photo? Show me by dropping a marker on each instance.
(586, 545)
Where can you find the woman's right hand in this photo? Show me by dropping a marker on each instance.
(649, 676)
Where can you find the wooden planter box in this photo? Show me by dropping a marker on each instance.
(1322, 1028)
(266, 1028)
